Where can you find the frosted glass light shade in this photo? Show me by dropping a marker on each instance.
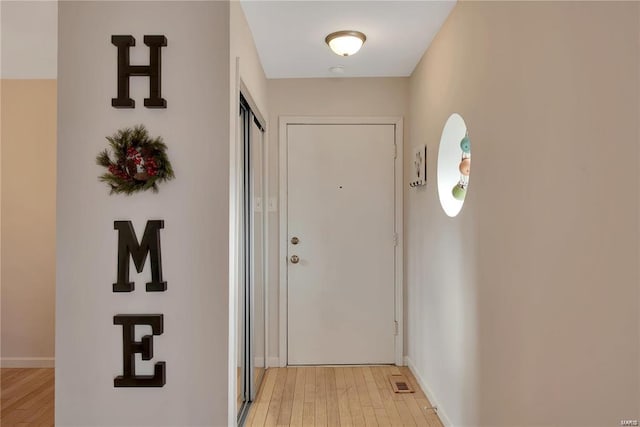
(454, 143)
(345, 43)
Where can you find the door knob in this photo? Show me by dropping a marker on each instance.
(294, 240)
(294, 259)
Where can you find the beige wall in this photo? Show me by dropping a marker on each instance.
(319, 97)
(28, 221)
(524, 309)
(243, 47)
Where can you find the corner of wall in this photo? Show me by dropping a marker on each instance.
(435, 403)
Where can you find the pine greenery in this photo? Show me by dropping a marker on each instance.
(126, 144)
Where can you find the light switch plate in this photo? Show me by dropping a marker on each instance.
(273, 204)
(257, 204)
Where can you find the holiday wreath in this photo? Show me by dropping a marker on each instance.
(140, 162)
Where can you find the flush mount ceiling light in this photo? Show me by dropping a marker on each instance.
(345, 43)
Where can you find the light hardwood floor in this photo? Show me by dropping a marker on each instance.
(309, 396)
(26, 397)
(339, 396)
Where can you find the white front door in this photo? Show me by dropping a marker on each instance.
(341, 209)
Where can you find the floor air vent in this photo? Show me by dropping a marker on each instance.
(400, 384)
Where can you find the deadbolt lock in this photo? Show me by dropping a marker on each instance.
(294, 259)
(294, 240)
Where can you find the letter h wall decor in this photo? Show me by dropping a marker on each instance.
(126, 71)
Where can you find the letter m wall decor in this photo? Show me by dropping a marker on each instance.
(129, 248)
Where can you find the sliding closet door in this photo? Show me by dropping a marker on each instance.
(242, 296)
(251, 285)
(257, 281)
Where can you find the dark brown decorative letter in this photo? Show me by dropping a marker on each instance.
(128, 247)
(145, 347)
(126, 70)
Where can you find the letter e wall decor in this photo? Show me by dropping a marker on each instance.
(130, 347)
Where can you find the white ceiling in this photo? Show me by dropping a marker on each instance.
(289, 35)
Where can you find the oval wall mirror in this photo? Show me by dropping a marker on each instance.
(454, 165)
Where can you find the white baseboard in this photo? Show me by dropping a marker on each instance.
(273, 362)
(446, 421)
(27, 362)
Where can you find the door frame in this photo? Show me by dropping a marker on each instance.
(397, 122)
(235, 225)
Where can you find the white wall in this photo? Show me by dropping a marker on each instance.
(319, 97)
(29, 42)
(195, 208)
(524, 309)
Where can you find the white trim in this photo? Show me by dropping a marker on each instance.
(234, 263)
(273, 362)
(446, 421)
(257, 360)
(399, 267)
(266, 236)
(282, 253)
(244, 90)
(27, 362)
(284, 121)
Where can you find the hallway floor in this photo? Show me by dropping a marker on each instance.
(339, 396)
(296, 396)
(27, 397)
